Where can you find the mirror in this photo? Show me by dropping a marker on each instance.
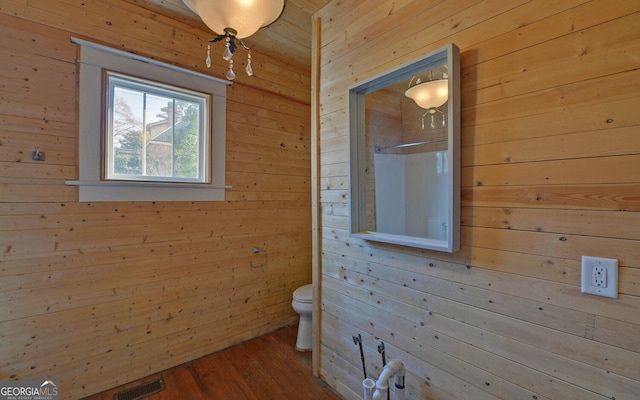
(404, 133)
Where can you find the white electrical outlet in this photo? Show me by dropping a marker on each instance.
(600, 276)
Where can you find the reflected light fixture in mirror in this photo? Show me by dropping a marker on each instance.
(234, 20)
(431, 94)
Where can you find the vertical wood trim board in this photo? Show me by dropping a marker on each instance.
(315, 195)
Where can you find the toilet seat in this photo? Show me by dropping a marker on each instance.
(303, 294)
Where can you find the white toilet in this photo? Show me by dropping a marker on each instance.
(303, 304)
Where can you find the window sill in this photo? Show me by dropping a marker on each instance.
(97, 191)
(147, 184)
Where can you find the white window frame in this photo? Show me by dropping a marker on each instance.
(94, 59)
(115, 80)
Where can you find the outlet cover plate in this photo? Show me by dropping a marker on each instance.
(600, 276)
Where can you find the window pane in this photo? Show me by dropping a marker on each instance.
(159, 120)
(156, 132)
(127, 131)
(186, 140)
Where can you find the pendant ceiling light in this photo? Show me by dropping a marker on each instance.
(234, 20)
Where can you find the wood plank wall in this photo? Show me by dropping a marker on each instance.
(95, 295)
(550, 172)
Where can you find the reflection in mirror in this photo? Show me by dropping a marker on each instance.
(404, 154)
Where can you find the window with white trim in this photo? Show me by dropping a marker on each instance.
(148, 131)
(155, 132)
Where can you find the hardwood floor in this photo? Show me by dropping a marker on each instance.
(265, 368)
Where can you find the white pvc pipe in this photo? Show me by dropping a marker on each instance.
(392, 368)
(368, 385)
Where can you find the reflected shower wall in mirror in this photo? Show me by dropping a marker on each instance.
(404, 154)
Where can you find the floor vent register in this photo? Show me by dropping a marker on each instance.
(141, 391)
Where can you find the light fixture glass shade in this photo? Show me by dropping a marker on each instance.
(431, 94)
(243, 16)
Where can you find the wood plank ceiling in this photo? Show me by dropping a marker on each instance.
(288, 38)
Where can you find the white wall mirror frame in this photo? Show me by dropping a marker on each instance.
(404, 175)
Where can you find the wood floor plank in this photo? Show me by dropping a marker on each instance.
(265, 368)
